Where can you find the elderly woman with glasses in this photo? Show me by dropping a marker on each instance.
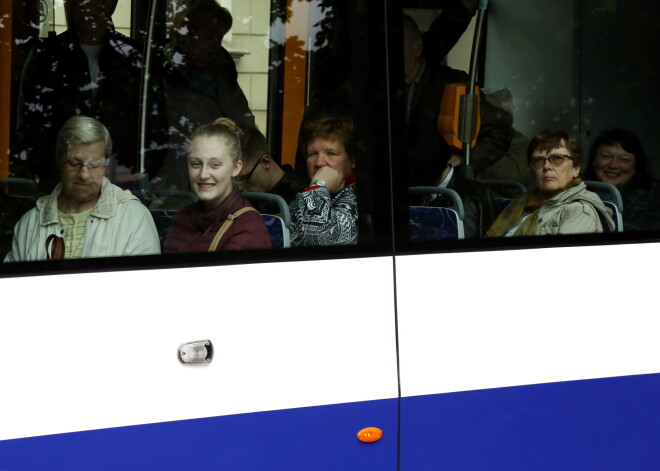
(560, 203)
(85, 215)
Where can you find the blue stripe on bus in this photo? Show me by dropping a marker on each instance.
(312, 438)
(602, 424)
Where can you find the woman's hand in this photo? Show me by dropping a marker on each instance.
(334, 179)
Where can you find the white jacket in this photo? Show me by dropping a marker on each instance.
(118, 225)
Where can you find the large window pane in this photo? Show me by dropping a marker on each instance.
(568, 69)
(281, 62)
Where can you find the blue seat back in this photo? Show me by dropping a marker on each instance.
(257, 198)
(607, 192)
(611, 198)
(279, 233)
(505, 190)
(433, 223)
(616, 216)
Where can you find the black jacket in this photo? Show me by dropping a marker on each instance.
(56, 85)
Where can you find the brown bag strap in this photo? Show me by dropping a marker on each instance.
(54, 247)
(226, 225)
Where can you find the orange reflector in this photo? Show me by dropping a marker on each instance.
(370, 434)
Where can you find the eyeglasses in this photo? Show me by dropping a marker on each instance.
(246, 177)
(556, 160)
(94, 166)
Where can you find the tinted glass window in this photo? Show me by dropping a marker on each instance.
(303, 86)
(563, 80)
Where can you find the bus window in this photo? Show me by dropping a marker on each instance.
(527, 83)
(267, 69)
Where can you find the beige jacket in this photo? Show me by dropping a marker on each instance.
(574, 211)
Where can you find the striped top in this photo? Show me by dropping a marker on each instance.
(75, 227)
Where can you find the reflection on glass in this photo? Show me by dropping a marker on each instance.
(531, 82)
(201, 85)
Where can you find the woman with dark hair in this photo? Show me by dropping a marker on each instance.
(560, 203)
(325, 213)
(617, 157)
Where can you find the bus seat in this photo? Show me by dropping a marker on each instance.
(505, 191)
(275, 204)
(19, 187)
(611, 198)
(280, 236)
(607, 192)
(616, 216)
(432, 223)
(436, 223)
(279, 222)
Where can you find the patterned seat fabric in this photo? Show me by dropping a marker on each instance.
(278, 233)
(433, 223)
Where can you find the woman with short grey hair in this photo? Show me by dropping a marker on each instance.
(85, 215)
(81, 129)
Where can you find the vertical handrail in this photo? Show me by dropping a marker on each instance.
(474, 61)
(146, 67)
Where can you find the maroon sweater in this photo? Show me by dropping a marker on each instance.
(193, 229)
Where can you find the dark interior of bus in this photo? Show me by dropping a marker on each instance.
(580, 66)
